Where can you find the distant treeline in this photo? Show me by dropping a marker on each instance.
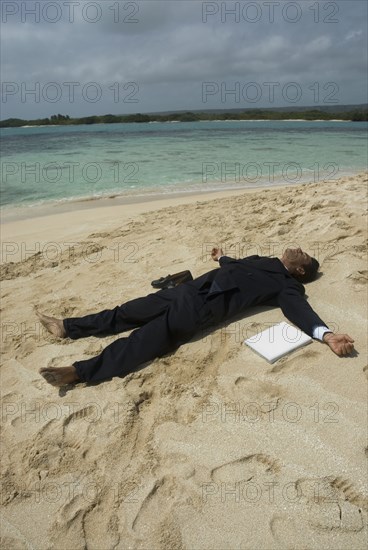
(261, 114)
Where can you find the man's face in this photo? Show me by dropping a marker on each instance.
(296, 260)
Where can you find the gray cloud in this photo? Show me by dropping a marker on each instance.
(170, 51)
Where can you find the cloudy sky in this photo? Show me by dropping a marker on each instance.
(83, 58)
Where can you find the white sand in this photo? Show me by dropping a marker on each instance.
(208, 448)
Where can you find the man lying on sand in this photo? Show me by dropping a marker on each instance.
(168, 318)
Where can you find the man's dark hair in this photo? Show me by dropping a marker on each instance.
(310, 271)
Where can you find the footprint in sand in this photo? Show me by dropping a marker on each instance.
(79, 427)
(359, 279)
(245, 469)
(159, 503)
(69, 525)
(24, 349)
(287, 532)
(266, 395)
(331, 489)
(89, 413)
(332, 503)
(349, 491)
(287, 363)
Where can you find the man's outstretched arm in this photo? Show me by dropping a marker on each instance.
(296, 308)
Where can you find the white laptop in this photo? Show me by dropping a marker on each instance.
(277, 341)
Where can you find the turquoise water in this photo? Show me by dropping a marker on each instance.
(46, 164)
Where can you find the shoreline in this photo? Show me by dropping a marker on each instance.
(14, 213)
(10, 213)
(183, 121)
(76, 222)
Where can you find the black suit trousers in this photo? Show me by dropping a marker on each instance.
(162, 322)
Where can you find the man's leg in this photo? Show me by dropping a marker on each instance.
(117, 359)
(162, 335)
(125, 354)
(133, 314)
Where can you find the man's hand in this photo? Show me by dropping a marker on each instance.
(216, 254)
(341, 344)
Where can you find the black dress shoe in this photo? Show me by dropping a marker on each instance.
(171, 281)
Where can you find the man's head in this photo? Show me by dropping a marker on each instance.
(300, 265)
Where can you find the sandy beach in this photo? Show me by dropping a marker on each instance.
(208, 448)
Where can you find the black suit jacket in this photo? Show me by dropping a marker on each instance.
(256, 280)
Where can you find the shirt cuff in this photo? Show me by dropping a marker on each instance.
(319, 332)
